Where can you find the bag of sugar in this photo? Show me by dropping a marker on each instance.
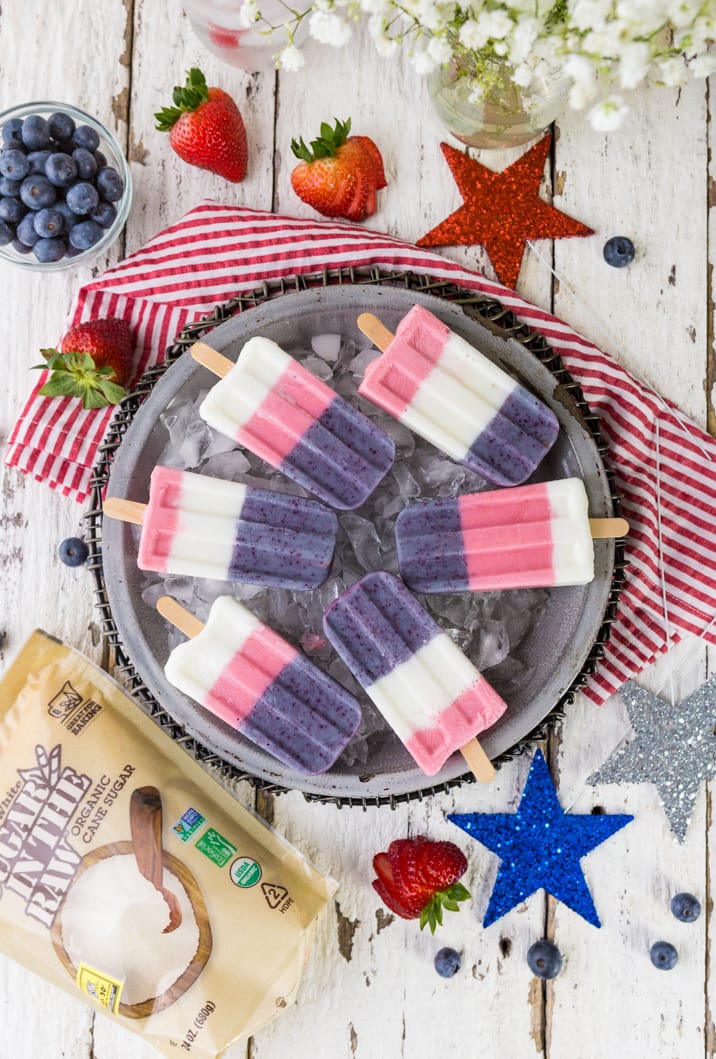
(131, 878)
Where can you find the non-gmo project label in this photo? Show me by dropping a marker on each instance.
(216, 847)
(188, 824)
(245, 872)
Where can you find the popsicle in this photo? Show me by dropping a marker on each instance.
(444, 389)
(272, 405)
(252, 679)
(532, 536)
(422, 683)
(205, 527)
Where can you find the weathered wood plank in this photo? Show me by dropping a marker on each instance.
(651, 315)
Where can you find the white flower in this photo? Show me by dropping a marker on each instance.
(523, 37)
(673, 72)
(384, 44)
(589, 14)
(522, 75)
(494, 25)
(634, 64)
(609, 114)
(471, 35)
(703, 65)
(440, 50)
(292, 58)
(248, 14)
(422, 62)
(374, 7)
(329, 28)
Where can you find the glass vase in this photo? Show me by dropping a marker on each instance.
(505, 115)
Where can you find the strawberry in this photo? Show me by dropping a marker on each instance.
(94, 362)
(339, 175)
(418, 878)
(205, 128)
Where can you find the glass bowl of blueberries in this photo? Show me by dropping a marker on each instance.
(65, 187)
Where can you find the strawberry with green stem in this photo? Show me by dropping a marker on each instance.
(94, 362)
(206, 128)
(418, 879)
(338, 175)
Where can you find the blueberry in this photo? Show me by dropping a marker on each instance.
(72, 251)
(104, 214)
(82, 197)
(11, 209)
(73, 551)
(86, 163)
(36, 191)
(101, 159)
(14, 163)
(48, 250)
(109, 184)
(619, 251)
(49, 223)
(69, 217)
(61, 169)
(544, 959)
(6, 233)
(447, 962)
(21, 248)
(26, 231)
(12, 132)
(686, 907)
(84, 136)
(663, 955)
(61, 126)
(36, 132)
(37, 160)
(85, 234)
(9, 187)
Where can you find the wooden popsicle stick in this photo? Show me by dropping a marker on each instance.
(480, 765)
(375, 330)
(602, 528)
(124, 510)
(209, 358)
(179, 616)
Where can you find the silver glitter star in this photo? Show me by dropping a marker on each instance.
(674, 747)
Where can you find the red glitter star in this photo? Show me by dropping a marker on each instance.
(501, 211)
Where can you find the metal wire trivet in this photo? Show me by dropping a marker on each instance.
(491, 313)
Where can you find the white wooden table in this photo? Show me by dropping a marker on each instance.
(370, 991)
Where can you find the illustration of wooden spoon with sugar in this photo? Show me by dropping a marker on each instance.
(145, 821)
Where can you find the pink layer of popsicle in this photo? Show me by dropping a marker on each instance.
(417, 347)
(290, 409)
(160, 519)
(243, 681)
(475, 710)
(510, 535)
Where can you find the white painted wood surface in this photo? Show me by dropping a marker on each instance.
(370, 991)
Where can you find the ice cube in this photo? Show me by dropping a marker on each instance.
(326, 346)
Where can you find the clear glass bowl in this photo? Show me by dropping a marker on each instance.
(113, 153)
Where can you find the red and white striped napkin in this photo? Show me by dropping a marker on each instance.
(665, 466)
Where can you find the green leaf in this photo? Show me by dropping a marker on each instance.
(60, 385)
(94, 399)
(112, 392)
(324, 146)
(186, 98)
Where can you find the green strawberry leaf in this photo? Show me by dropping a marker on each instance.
(324, 146)
(186, 99)
(59, 385)
(449, 898)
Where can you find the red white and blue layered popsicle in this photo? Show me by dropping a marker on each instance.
(422, 683)
(206, 527)
(252, 679)
(533, 536)
(271, 404)
(444, 389)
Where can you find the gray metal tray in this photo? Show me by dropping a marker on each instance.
(559, 644)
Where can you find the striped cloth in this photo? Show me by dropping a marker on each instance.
(665, 466)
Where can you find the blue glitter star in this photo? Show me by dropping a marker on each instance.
(540, 847)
